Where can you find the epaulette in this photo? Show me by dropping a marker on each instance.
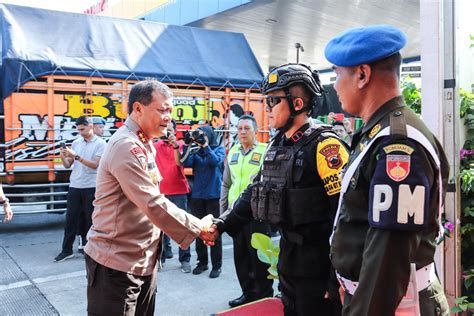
(398, 123)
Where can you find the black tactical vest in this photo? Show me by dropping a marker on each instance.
(277, 198)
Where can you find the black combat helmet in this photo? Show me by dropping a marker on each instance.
(284, 76)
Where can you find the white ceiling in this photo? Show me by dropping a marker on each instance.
(272, 27)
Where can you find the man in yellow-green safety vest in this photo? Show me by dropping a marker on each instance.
(242, 164)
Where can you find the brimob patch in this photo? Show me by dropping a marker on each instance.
(374, 131)
(331, 153)
(398, 147)
(398, 167)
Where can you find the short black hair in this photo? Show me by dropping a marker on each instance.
(250, 118)
(84, 120)
(143, 92)
(300, 90)
(390, 64)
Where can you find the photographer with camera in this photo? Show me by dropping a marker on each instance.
(174, 186)
(83, 156)
(207, 162)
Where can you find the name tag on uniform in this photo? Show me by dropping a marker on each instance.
(270, 156)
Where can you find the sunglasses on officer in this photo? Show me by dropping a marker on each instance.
(273, 101)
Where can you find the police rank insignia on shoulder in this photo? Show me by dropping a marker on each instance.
(374, 131)
(142, 137)
(255, 159)
(331, 153)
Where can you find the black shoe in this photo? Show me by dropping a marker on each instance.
(215, 273)
(63, 256)
(200, 268)
(239, 301)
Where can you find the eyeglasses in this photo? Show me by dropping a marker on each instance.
(273, 101)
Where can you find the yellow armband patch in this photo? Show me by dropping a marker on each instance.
(331, 157)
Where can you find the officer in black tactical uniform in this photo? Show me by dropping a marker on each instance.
(297, 189)
(392, 189)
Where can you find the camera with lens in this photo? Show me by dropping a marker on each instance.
(198, 137)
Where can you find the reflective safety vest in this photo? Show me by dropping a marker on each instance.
(243, 168)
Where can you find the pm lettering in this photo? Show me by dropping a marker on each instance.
(383, 197)
(409, 204)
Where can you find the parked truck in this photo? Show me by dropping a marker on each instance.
(57, 66)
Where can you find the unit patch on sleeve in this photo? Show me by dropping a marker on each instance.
(140, 155)
(398, 167)
(331, 156)
(399, 191)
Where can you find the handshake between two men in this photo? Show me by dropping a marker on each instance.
(209, 232)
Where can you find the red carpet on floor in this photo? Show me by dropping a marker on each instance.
(270, 306)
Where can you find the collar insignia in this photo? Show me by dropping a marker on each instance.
(142, 137)
(374, 131)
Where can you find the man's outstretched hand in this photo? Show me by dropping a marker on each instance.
(209, 233)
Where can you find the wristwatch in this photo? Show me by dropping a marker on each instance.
(4, 201)
(77, 157)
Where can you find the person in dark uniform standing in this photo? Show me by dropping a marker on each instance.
(241, 166)
(297, 189)
(392, 189)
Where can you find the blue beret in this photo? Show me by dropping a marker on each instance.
(364, 45)
(98, 120)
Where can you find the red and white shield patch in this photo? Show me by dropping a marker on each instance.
(398, 167)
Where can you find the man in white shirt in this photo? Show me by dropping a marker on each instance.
(83, 156)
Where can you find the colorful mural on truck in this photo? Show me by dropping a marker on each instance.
(32, 137)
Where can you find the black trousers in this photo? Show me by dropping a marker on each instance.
(78, 201)
(201, 208)
(251, 272)
(305, 296)
(112, 292)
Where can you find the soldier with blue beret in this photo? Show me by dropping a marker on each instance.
(393, 188)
